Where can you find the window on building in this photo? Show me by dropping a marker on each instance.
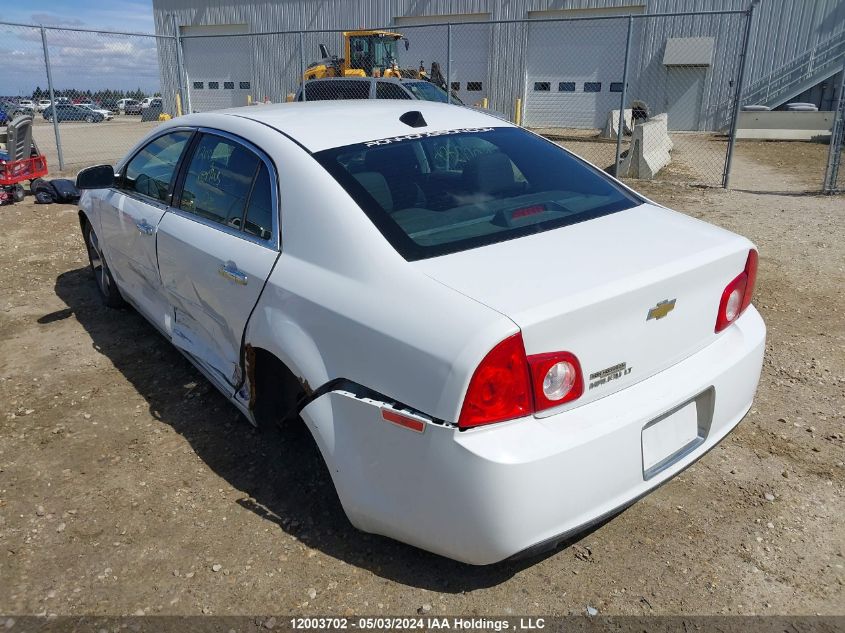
(213, 85)
(615, 86)
(566, 86)
(244, 85)
(456, 85)
(542, 86)
(198, 85)
(473, 86)
(592, 86)
(228, 85)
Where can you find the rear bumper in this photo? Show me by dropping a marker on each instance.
(483, 495)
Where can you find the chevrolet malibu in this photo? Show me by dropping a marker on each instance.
(493, 343)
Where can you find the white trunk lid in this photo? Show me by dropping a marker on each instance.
(588, 289)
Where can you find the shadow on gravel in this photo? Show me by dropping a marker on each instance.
(281, 473)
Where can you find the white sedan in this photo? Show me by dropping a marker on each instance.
(493, 343)
(107, 114)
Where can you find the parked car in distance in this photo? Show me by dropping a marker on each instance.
(332, 88)
(122, 103)
(493, 343)
(27, 103)
(130, 106)
(70, 112)
(10, 109)
(43, 105)
(106, 114)
(110, 104)
(150, 102)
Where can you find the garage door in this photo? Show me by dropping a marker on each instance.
(470, 49)
(574, 69)
(219, 68)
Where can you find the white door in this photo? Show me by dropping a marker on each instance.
(217, 249)
(574, 68)
(219, 68)
(470, 50)
(684, 90)
(129, 217)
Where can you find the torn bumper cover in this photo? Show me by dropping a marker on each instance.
(483, 495)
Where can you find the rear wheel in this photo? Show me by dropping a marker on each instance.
(89, 119)
(102, 274)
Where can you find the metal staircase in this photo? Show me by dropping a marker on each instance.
(802, 73)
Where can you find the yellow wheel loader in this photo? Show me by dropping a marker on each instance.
(366, 54)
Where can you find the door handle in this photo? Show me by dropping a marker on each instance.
(230, 271)
(144, 228)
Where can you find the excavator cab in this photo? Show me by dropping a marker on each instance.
(373, 52)
(366, 54)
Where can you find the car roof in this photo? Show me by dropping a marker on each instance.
(319, 125)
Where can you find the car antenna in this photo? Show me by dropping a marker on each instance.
(414, 118)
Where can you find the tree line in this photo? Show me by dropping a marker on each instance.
(94, 95)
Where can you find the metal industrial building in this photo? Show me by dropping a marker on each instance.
(567, 73)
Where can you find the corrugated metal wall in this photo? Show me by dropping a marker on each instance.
(782, 30)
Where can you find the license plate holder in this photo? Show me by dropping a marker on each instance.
(674, 435)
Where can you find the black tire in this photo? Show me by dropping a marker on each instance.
(100, 269)
(89, 119)
(18, 193)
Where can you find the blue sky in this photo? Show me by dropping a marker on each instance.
(83, 61)
(135, 16)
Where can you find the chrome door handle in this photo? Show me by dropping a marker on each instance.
(230, 271)
(144, 228)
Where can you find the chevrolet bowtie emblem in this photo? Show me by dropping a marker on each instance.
(661, 309)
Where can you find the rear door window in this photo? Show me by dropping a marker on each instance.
(219, 180)
(150, 172)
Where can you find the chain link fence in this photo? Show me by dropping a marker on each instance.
(92, 95)
(641, 96)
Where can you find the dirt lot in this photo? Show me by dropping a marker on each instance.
(128, 485)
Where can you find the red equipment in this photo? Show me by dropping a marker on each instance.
(14, 172)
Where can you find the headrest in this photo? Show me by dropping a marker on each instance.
(376, 186)
(490, 173)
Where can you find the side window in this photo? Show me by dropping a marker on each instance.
(150, 171)
(259, 210)
(219, 180)
(388, 90)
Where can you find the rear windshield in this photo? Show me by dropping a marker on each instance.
(433, 193)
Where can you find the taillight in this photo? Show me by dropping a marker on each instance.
(557, 379)
(737, 294)
(508, 384)
(500, 388)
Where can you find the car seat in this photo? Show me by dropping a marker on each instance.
(401, 169)
(491, 174)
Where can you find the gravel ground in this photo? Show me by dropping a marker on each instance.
(128, 485)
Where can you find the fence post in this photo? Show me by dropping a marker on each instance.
(302, 63)
(726, 177)
(52, 99)
(622, 98)
(837, 137)
(449, 63)
(179, 66)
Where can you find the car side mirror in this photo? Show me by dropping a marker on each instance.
(97, 177)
